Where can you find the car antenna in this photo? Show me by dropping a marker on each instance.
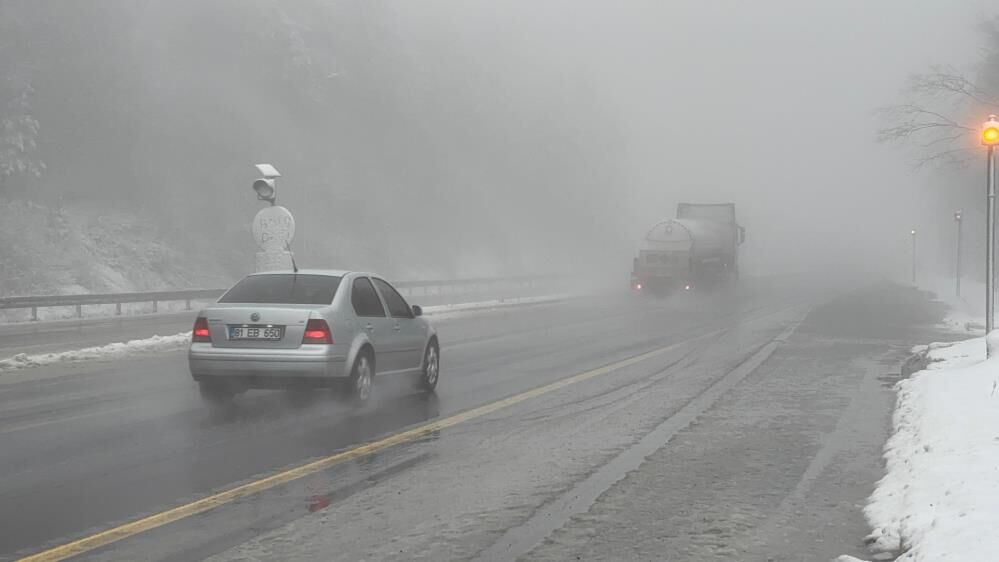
(294, 267)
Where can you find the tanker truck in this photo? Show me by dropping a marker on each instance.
(698, 248)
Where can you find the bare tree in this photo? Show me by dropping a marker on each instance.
(942, 108)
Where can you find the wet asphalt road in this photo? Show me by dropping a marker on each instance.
(762, 428)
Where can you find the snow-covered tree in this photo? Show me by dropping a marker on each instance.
(18, 127)
(18, 132)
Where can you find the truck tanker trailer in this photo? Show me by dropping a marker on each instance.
(698, 248)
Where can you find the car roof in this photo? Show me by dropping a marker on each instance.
(329, 272)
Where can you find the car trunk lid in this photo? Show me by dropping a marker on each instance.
(259, 325)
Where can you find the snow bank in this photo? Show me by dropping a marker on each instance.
(940, 497)
(180, 341)
(103, 352)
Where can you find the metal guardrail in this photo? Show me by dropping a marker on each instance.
(460, 286)
(117, 299)
(408, 288)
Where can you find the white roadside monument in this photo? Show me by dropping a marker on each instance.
(274, 227)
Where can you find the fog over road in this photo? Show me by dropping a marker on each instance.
(762, 413)
(733, 213)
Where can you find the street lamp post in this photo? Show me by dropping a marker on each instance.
(990, 138)
(959, 219)
(913, 234)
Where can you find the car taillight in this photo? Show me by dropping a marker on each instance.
(317, 331)
(200, 333)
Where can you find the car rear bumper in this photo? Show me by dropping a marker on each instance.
(261, 369)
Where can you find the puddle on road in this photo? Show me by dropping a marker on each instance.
(321, 492)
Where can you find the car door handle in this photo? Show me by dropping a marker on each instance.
(369, 328)
(397, 327)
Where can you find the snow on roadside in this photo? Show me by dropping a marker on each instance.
(102, 352)
(940, 497)
(180, 341)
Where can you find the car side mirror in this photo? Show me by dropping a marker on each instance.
(417, 310)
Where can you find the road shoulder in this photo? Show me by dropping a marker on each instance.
(779, 469)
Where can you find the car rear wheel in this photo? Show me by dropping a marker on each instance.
(361, 380)
(216, 393)
(431, 367)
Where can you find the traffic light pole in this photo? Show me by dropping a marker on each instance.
(990, 267)
(957, 267)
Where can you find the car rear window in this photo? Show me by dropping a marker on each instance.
(281, 288)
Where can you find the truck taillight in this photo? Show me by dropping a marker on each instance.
(317, 331)
(200, 333)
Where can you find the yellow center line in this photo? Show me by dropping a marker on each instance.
(138, 526)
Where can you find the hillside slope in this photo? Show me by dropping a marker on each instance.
(47, 250)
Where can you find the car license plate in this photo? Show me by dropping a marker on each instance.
(256, 332)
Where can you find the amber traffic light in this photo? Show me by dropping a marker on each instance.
(990, 132)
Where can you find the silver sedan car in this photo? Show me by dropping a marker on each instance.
(311, 329)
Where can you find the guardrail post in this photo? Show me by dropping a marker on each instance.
(187, 304)
(34, 313)
(79, 311)
(117, 309)
(156, 307)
